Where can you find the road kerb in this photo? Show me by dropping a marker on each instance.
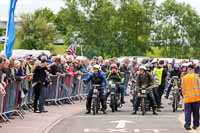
(50, 126)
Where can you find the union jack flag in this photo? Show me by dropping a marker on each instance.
(72, 52)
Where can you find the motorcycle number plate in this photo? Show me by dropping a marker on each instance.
(143, 91)
(112, 93)
(176, 87)
(112, 85)
(94, 96)
(95, 91)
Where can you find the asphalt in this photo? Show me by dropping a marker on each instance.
(41, 123)
(72, 119)
(123, 122)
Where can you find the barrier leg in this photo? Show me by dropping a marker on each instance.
(5, 118)
(4, 115)
(20, 114)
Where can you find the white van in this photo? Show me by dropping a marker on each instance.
(22, 52)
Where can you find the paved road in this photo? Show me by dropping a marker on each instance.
(122, 122)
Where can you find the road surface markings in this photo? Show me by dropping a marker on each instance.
(122, 130)
(156, 130)
(121, 123)
(125, 116)
(117, 130)
(88, 130)
(136, 130)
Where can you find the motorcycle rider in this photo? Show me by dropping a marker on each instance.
(175, 72)
(149, 67)
(96, 77)
(125, 70)
(144, 79)
(115, 76)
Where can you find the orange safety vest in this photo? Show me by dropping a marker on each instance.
(191, 88)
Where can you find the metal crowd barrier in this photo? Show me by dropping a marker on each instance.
(65, 89)
(10, 103)
(20, 94)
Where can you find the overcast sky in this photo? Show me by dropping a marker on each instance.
(24, 6)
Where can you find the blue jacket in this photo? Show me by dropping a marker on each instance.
(97, 79)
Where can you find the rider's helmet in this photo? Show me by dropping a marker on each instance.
(114, 68)
(142, 68)
(176, 66)
(154, 61)
(149, 66)
(96, 68)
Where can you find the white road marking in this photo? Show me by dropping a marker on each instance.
(137, 130)
(117, 130)
(121, 123)
(122, 130)
(156, 130)
(126, 116)
(88, 130)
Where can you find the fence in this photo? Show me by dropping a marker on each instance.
(19, 94)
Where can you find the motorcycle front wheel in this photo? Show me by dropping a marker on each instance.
(112, 103)
(94, 106)
(143, 106)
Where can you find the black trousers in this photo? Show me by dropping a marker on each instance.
(156, 96)
(151, 99)
(160, 92)
(39, 95)
(101, 96)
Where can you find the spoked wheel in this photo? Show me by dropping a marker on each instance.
(143, 106)
(113, 104)
(174, 104)
(94, 106)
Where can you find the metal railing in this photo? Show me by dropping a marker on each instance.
(19, 94)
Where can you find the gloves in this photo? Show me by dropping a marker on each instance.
(84, 81)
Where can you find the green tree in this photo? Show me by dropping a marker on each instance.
(45, 13)
(2, 32)
(36, 32)
(69, 22)
(106, 30)
(174, 30)
(135, 28)
(131, 28)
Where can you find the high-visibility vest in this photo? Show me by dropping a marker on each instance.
(159, 73)
(191, 88)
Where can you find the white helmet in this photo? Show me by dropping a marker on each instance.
(142, 67)
(184, 65)
(97, 67)
(176, 65)
(154, 61)
(148, 65)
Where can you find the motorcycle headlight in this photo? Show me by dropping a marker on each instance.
(176, 87)
(110, 82)
(112, 85)
(95, 91)
(143, 91)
